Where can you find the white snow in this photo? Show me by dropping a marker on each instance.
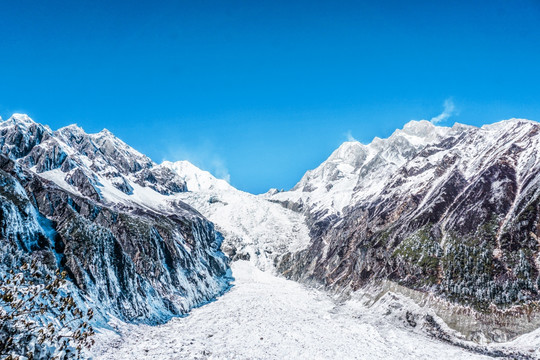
(250, 223)
(265, 317)
(57, 176)
(195, 178)
(355, 172)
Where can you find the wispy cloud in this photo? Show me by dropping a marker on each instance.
(204, 157)
(349, 136)
(449, 110)
(220, 169)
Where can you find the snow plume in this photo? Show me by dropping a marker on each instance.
(220, 170)
(449, 110)
(204, 157)
(349, 136)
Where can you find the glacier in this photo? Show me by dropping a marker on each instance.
(144, 243)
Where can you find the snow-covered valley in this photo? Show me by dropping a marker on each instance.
(267, 317)
(145, 244)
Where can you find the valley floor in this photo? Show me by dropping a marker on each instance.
(266, 317)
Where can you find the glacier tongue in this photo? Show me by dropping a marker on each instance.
(254, 228)
(266, 317)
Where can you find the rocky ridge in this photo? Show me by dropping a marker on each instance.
(86, 204)
(448, 211)
(446, 215)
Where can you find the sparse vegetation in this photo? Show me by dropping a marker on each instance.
(465, 269)
(39, 319)
(423, 253)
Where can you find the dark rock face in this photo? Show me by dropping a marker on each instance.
(162, 180)
(139, 263)
(133, 261)
(19, 135)
(460, 218)
(84, 159)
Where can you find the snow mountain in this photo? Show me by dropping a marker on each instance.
(354, 171)
(92, 206)
(197, 180)
(445, 216)
(451, 212)
(254, 228)
(122, 226)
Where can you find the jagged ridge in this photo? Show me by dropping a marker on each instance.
(98, 196)
(452, 211)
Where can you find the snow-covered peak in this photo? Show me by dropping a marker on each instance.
(106, 132)
(105, 136)
(415, 134)
(118, 151)
(72, 127)
(509, 123)
(420, 133)
(71, 130)
(271, 191)
(458, 127)
(355, 170)
(350, 152)
(21, 118)
(22, 121)
(420, 128)
(352, 156)
(195, 178)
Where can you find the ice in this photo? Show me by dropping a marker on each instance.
(266, 317)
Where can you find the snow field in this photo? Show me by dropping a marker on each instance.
(266, 317)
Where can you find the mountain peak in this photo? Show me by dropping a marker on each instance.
(349, 152)
(196, 179)
(20, 120)
(419, 127)
(73, 128)
(509, 123)
(106, 132)
(23, 122)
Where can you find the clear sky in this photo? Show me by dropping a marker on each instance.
(265, 90)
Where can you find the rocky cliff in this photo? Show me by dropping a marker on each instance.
(448, 211)
(86, 204)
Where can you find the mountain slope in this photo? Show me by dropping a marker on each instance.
(451, 211)
(254, 228)
(266, 317)
(104, 204)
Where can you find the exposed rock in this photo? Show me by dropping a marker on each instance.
(455, 214)
(137, 262)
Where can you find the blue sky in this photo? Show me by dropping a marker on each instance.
(264, 90)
